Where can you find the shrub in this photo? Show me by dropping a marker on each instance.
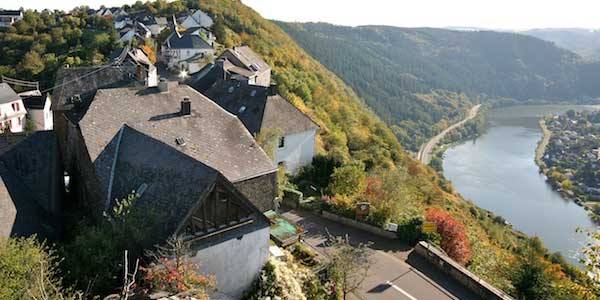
(28, 270)
(171, 271)
(347, 180)
(454, 237)
(411, 232)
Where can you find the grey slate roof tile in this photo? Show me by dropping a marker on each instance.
(212, 135)
(257, 109)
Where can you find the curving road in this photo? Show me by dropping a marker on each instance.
(424, 155)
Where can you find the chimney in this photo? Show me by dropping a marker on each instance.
(273, 89)
(163, 85)
(186, 106)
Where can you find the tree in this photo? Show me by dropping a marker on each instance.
(454, 237)
(32, 63)
(349, 264)
(28, 270)
(93, 254)
(171, 271)
(219, 29)
(591, 254)
(531, 278)
(347, 180)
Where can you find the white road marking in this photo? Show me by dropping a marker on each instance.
(397, 288)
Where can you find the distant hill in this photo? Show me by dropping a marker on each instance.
(420, 78)
(585, 42)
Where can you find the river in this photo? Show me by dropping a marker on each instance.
(497, 171)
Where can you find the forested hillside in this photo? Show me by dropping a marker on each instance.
(418, 77)
(584, 42)
(374, 168)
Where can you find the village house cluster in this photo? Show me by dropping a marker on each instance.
(185, 148)
(574, 152)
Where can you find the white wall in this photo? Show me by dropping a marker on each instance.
(236, 263)
(16, 119)
(179, 55)
(298, 150)
(42, 118)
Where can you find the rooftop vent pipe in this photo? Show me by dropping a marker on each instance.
(163, 85)
(186, 106)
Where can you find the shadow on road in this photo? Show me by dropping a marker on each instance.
(429, 270)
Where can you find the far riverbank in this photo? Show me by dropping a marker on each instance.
(541, 147)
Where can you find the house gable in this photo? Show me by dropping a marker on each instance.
(223, 210)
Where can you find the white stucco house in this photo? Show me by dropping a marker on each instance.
(12, 111)
(243, 62)
(262, 109)
(188, 50)
(39, 109)
(9, 17)
(197, 19)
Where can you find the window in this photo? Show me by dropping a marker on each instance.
(15, 106)
(282, 142)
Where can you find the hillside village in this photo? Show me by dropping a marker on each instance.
(127, 127)
(177, 137)
(572, 155)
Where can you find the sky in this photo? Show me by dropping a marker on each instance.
(493, 14)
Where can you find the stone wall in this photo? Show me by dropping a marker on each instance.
(447, 265)
(261, 190)
(359, 225)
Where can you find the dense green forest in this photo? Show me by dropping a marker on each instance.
(35, 47)
(417, 78)
(584, 42)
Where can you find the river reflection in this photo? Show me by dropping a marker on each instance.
(497, 171)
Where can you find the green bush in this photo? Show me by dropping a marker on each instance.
(304, 254)
(28, 270)
(410, 231)
(265, 286)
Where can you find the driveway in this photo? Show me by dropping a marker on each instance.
(396, 273)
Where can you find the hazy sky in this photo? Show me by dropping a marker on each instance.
(506, 14)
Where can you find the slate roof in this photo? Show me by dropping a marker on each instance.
(28, 165)
(248, 58)
(258, 109)
(85, 81)
(211, 135)
(7, 94)
(34, 102)
(208, 76)
(187, 40)
(14, 13)
(175, 184)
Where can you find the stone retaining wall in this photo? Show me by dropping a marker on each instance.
(359, 225)
(447, 265)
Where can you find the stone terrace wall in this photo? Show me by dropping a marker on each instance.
(447, 265)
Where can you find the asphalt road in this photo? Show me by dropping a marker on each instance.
(424, 155)
(396, 273)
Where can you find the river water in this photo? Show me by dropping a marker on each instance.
(497, 171)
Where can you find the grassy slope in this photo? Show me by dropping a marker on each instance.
(351, 130)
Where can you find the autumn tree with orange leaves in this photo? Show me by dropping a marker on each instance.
(453, 233)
